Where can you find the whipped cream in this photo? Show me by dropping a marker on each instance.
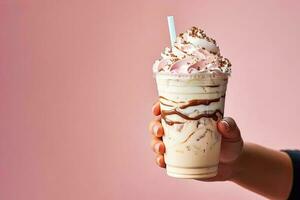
(193, 52)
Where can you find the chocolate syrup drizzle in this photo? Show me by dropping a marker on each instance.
(215, 115)
(193, 102)
(190, 135)
(196, 102)
(212, 86)
(161, 97)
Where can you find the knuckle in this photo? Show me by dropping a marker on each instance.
(150, 126)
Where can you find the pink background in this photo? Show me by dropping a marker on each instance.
(76, 90)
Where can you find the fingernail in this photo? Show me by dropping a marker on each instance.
(226, 125)
(161, 162)
(157, 147)
(158, 160)
(155, 130)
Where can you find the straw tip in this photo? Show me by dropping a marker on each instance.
(172, 29)
(170, 18)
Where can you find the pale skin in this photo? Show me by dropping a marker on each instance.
(259, 169)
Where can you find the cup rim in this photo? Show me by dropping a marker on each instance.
(200, 75)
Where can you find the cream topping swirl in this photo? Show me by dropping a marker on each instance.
(193, 52)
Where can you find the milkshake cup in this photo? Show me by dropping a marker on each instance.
(191, 80)
(190, 109)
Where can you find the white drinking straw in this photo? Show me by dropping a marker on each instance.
(172, 29)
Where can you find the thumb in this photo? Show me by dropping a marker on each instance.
(229, 130)
(232, 143)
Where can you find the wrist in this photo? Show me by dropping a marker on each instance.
(237, 165)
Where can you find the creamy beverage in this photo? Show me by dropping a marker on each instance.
(191, 80)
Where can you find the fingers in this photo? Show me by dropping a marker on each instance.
(159, 148)
(229, 130)
(232, 143)
(156, 109)
(155, 128)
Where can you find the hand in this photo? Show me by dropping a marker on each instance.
(231, 146)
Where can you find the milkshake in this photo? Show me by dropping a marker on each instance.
(191, 79)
